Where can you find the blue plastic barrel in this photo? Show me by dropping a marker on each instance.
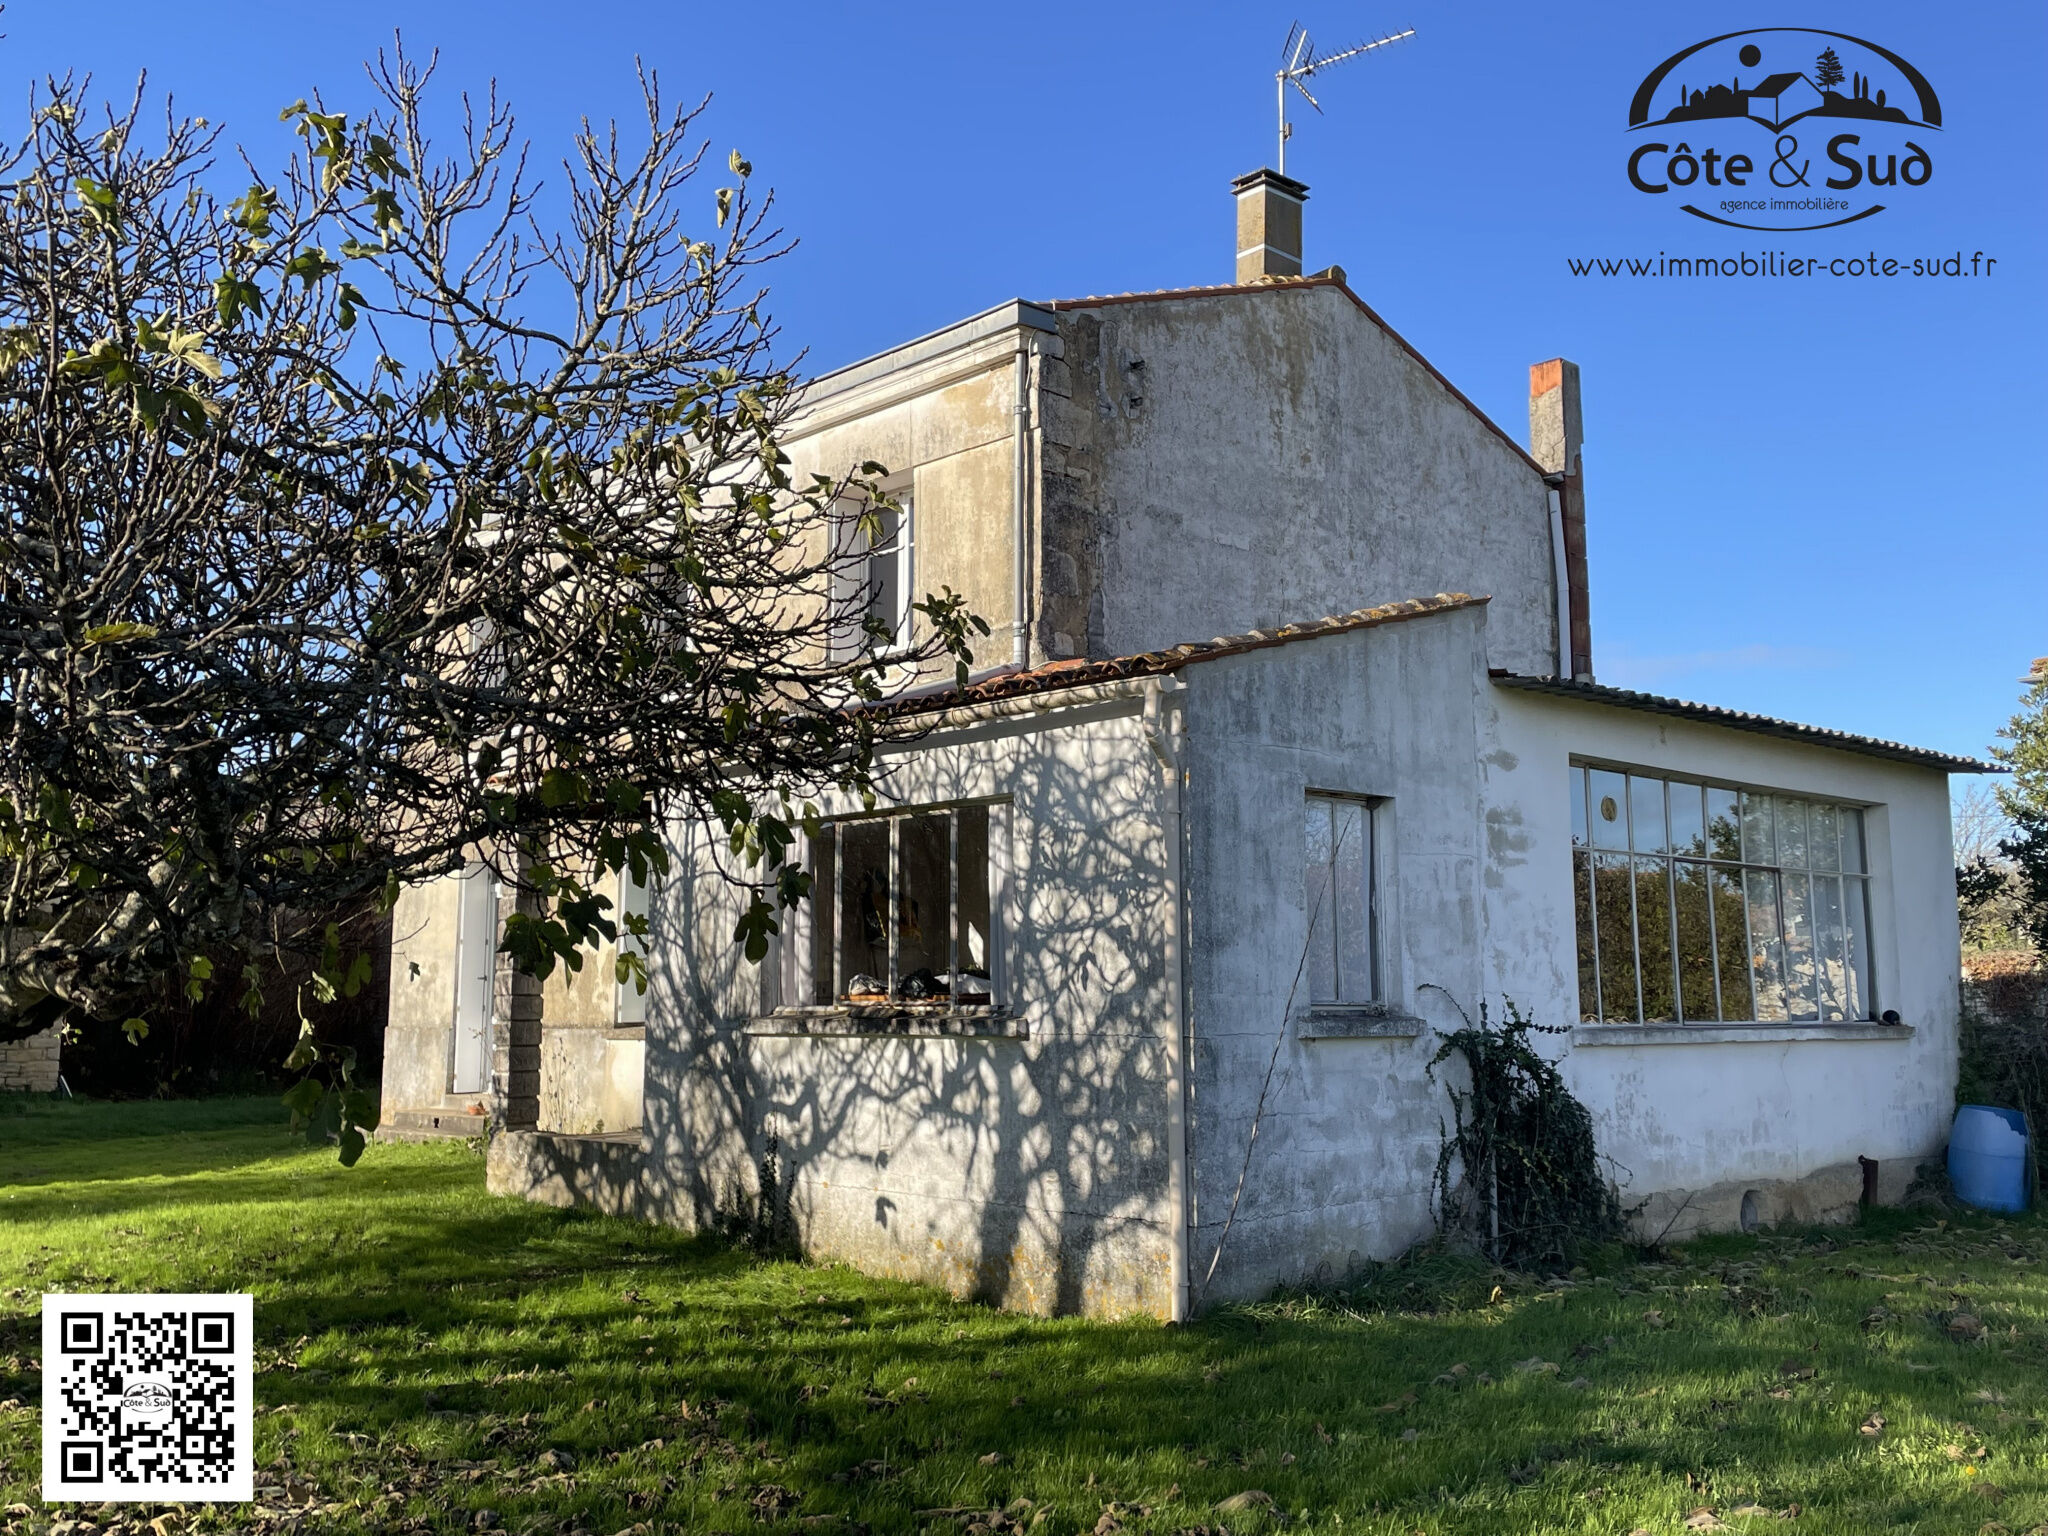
(1987, 1158)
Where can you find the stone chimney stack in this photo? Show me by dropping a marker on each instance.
(1268, 225)
(1557, 437)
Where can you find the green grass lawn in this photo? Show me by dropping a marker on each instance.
(430, 1358)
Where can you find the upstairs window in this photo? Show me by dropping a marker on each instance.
(889, 567)
(904, 910)
(1343, 955)
(1699, 903)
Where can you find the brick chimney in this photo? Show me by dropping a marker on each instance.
(1268, 225)
(1557, 436)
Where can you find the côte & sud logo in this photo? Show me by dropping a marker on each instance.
(1783, 129)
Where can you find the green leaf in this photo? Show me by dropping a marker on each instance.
(114, 634)
(563, 786)
(303, 1097)
(188, 347)
(352, 1144)
(232, 295)
(754, 927)
(135, 1030)
(310, 266)
(361, 1108)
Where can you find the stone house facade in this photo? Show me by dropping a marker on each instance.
(1152, 935)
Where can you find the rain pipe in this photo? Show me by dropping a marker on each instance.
(1165, 743)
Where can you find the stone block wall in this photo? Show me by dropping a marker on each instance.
(30, 1066)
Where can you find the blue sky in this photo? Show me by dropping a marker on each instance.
(1827, 501)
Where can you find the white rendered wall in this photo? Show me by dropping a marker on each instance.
(1688, 1119)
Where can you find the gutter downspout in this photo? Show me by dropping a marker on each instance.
(1020, 643)
(1561, 570)
(1166, 748)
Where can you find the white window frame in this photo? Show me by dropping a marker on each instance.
(795, 981)
(904, 555)
(1370, 901)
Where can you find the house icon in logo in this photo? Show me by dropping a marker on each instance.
(1780, 98)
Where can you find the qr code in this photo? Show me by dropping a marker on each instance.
(147, 1397)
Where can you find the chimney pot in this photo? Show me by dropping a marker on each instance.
(1268, 225)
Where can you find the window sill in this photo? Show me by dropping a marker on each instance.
(1357, 1021)
(986, 1023)
(1719, 1034)
(626, 1032)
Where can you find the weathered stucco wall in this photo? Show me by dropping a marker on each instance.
(1243, 460)
(1031, 1171)
(939, 414)
(1476, 901)
(1694, 1126)
(1340, 1171)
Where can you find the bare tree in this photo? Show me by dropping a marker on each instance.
(1979, 824)
(364, 524)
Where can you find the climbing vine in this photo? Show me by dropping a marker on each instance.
(1520, 1171)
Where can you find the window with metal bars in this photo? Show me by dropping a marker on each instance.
(904, 909)
(1701, 902)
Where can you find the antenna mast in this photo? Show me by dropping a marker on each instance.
(1298, 61)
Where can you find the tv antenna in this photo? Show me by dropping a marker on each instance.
(1298, 61)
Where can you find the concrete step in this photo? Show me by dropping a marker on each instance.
(432, 1124)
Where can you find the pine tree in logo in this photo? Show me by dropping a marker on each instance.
(1827, 70)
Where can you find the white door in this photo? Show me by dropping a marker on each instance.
(476, 963)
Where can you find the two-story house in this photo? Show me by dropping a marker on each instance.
(1295, 756)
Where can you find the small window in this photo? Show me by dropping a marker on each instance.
(888, 571)
(1699, 903)
(1343, 954)
(903, 910)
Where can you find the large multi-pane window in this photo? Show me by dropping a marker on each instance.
(903, 909)
(1699, 902)
(1338, 891)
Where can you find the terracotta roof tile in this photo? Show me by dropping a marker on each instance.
(1081, 671)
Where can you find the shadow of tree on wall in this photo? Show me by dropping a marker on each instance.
(1029, 1171)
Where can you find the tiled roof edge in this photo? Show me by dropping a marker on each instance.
(1082, 672)
(1766, 725)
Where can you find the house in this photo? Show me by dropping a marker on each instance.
(1780, 98)
(1297, 757)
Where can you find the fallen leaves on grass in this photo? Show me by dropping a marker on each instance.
(1796, 1369)
(1405, 1400)
(1536, 1365)
(1964, 1327)
(1704, 1520)
(1872, 1426)
(1238, 1503)
(1114, 1515)
(1655, 1319)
